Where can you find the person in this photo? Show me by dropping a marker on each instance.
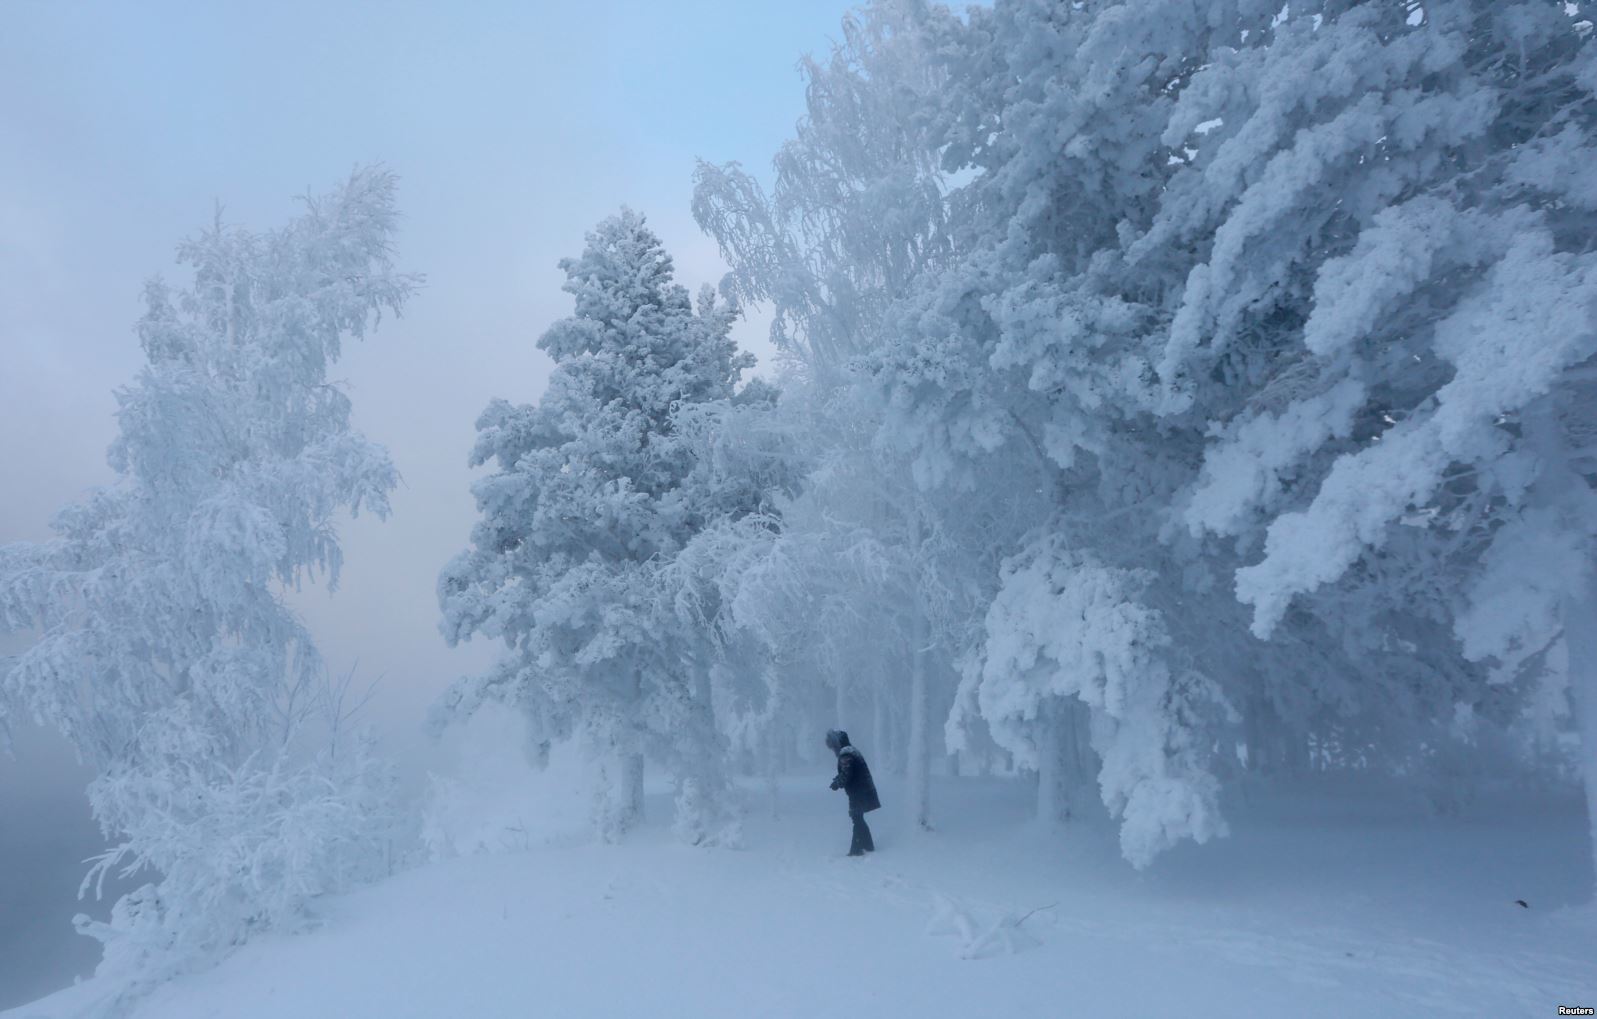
(854, 778)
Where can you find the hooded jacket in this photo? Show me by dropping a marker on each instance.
(853, 774)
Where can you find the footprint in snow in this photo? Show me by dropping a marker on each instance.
(976, 938)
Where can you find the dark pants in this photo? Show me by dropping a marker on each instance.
(863, 842)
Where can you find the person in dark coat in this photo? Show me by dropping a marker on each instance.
(854, 778)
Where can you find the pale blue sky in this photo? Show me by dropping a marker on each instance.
(514, 128)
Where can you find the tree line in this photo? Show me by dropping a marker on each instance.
(1171, 395)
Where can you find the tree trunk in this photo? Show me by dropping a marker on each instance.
(1087, 764)
(896, 749)
(773, 765)
(1069, 769)
(1580, 641)
(1074, 766)
(631, 791)
(917, 766)
(879, 720)
(1050, 802)
(1253, 729)
(702, 801)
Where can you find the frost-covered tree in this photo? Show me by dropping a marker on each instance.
(1430, 448)
(163, 648)
(1292, 325)
(1292, 302)
(857, 212)
(1006, 370)
(835, 595)
(597, 488)
(858, 206)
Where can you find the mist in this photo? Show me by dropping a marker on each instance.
(974, 505)
(512, 130)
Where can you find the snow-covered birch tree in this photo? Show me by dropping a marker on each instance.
(162, 645)
(856, 213)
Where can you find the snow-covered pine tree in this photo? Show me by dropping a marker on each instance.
(1233, 278)
(1429, 449)
(593, 495)
(164, 650)
(1211, 279)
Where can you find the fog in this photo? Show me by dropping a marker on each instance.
(513, 131)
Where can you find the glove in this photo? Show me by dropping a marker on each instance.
(834, 784)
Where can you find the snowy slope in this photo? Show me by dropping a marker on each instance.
(1319, 906)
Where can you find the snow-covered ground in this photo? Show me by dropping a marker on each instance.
(1331, 903)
